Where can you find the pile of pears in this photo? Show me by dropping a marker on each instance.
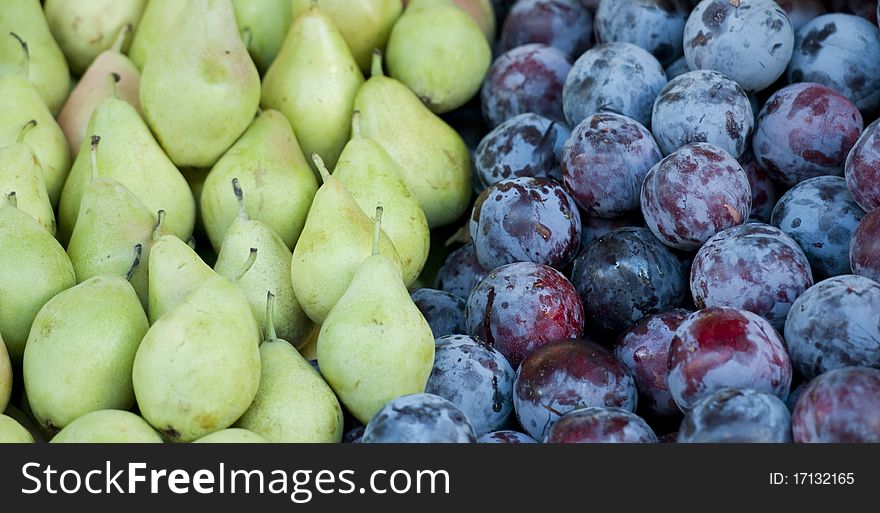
(212, 211)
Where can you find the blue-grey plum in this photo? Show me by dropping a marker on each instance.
(563, 24)
(598, 425)
(764, 193)
(864, 253)
(506, 437)
(862, 168)
(677, 67)
(732, 415)
(614, 77)
(443, 310)
(864, 8)
(795, 395)
(460, 272)
(840, 406)
(419, 418)
(801, 11)
(655, 25)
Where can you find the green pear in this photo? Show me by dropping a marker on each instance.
(269, 273)
(293, 404)
(373, 178)
(313, 82)
(335, 240)
(263, 25)
(46, 65)
(156, 19)
(86, 28)
(231, 436)
(199, 87)
(33, 269)
(198, 367)
(5, 376)
(375, 344)
(175, 270)
(435, 161)
(92, 89)
(11, 432)
(107, 427)
(81, 350)
(22, 173)
(365, 24)
(20, 103)
(27, 422)
(130, 156)
(270, 166)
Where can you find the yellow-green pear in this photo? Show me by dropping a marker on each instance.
(46, 66)
(293, 404)
(374, 178)
(86, 28)
(81, 349)
(270, 166)
(108, 427)
(20, 103)
(198, 367)
(231, 436)
(435, 161)
(156, 19)
(26, 421)
(337, 237)
(22, 173)
(130, 156)
(269, 273)
(365, 24)
(199, 87)
(263, 25)
(92, 88)
(11, 432)
(175, 270)
(33, 269)
(375, 344)
(5, 376)
(313, 82)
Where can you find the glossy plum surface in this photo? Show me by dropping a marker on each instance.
(443, 310)
(865, 249)
(733, 415)
(601, 425)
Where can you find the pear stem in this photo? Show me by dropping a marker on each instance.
(252, 257)
(138, 251)
(93, 156)
(24, 130)
(377, 229)
(322, 168)
(270, 317)
(356, 124)
(26, 61)
(239, 196)
(112, 79)
(120, 38)
(12, 198)
(376, 64)
(160, 220)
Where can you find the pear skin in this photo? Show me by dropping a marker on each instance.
(263, 25)
(5, 376)
(22, 173)
(108, 427)
(483, 12)
(175, 271)
(232, 436)
(270, 166)
(81, 350)
(11, 432)
(199, 87)
(157, 18)
(313, 82)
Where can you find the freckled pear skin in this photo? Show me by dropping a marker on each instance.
(175, 270)
(22, 173)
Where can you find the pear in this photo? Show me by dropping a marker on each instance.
(269, 164)
(435, 161)
(25, 421)
(86, 28)
(46, 66)
(156, 19)
(33, 268)
(373, 178)
(11, 432)
(199, 87)
(313, 82)
(439, 52)
(22, 173)
(92, 88)
(81, 349)
(131, 156)
(365, 24)
(269, 273)
(375, 344)
(231, 436)
(114, 229)
(5, 376)
(483, 12)
(198, 367)
(20, 103)
(175, 270)
(107, 427)
(263, 25)
(309, 350)
(293, 404)
(336, 239)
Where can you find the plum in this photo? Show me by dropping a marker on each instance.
(655, 25)
(703, 106)
(605, 161)
(460, 272)
(443, 310)
(677, 67)
(732, 415)
(764, 194)
(862, 168)
(506, 437)
(527, 78)
(864, 253)
(614, 77)
(353, 435)
(801, 11)
(833, 50)
(565, 375)
(840, 406)
(562, 24)
(419, 418)
(594, 227)
(522, 306)
(717, 348)
(600, 425)
(805, 130)
(864, 8)
(694, 193)
(795, 395)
